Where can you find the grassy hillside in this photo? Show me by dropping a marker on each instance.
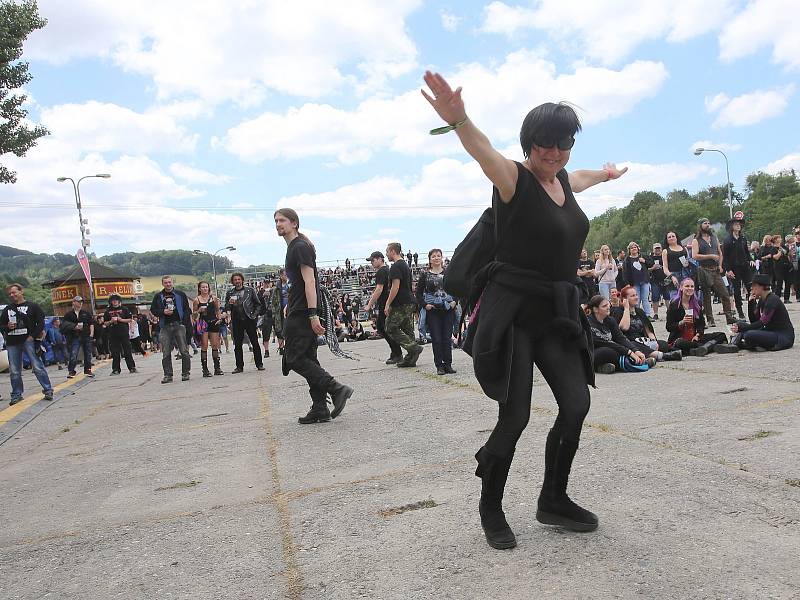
(153, 282)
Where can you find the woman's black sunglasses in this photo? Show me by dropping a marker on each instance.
(563, 144)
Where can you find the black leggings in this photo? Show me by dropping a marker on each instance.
(685, 345)
(562, 368)
(604, 354)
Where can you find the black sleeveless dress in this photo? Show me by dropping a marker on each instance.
(210, 316)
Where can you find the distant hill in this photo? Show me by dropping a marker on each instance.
(9, 251)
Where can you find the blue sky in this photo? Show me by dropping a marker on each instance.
(208, 120)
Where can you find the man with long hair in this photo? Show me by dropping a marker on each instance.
(244, 307)
(302, 325)
(707, 251)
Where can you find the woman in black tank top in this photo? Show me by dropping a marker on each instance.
(205, 310)
(676, 263)
(541, 230)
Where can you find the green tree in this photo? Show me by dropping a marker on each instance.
(17, 21)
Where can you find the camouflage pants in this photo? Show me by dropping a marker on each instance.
(400, 326)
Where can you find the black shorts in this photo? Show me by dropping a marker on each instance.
(213, 327)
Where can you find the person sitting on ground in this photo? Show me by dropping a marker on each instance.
(614, 297)
(636, 326)
(355, 332)
(686, 325)
(612, 350)
(770, 327)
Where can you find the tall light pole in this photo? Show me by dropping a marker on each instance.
(699, 151)
(213, 263)
(84, 230)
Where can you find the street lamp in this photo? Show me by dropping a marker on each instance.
(81, 221)
(213, 257)
(699, 151)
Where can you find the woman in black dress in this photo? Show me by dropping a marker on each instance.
(530, 307)
(206, 313)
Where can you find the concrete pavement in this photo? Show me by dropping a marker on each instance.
(126, 488)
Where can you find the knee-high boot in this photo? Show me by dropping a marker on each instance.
(554, 506)
(493, 471)
(215, 358)
(703, 349)
(204, 363)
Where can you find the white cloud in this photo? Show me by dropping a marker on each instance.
(519, 83)
(140, 208)
(609, 31)
(750, 108)
(102, 127)
(239, 51)
(785, 163)
(461, 188)
(450, 22)
(197, 176)
(764, 23)
(717, 145)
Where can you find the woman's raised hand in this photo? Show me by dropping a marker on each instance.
(613, 171)
(446, 102)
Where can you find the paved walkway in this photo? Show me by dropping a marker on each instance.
(126, 488)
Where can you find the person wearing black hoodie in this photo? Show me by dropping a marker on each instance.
(117, 320)
(770, 327)
(611, 348)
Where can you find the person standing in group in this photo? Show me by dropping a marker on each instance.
(22, 325)
(736, 260)
(794, 274)
(529, 308)
(400, 305)
(675, 262)
(205, 309)
(265, 293)
(657, 277)
(117, 321)
(782, 269)
(242, 303)
(605, 270)
(302, 325)
(439, 307)
(173, 311)
(378, 299)
(637, 275)
(586, 273)
(57, 342)
(279, 301)
(707, 251)
(77, 326)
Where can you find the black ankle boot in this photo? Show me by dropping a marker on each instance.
(674, 355)
(340, 393)
(554, 506)
(493, 471)
(217, 367)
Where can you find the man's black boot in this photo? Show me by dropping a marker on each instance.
(554, 506)
(340, 394)
(493, 471)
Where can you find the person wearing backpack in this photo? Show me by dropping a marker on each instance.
(529, 308)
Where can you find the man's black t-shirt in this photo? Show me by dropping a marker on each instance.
(29, 319)
(118, 330)
(382, 278)
(586, 265)
(170, 301)
(299, 252)
(657, 274)
(400, 270)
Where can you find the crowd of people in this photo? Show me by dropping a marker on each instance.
(626, 292)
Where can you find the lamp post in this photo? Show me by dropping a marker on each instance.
(84, 240)
(213, 263)
(699, 151)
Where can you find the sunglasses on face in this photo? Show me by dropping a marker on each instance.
(563, 144)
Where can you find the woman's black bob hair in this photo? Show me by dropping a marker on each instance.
(548, 122)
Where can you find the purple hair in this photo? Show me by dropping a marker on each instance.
(693, 302)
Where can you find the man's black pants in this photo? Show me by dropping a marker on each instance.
(121, 346)
(743, 278)
(240, 327)
(300, 356)
(396, 349)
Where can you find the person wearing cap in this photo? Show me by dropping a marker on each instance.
(736, 261)
(770, 327)
(378, 299)
(657, 276)
(77, 325)
(117, 322)
(707, 251)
